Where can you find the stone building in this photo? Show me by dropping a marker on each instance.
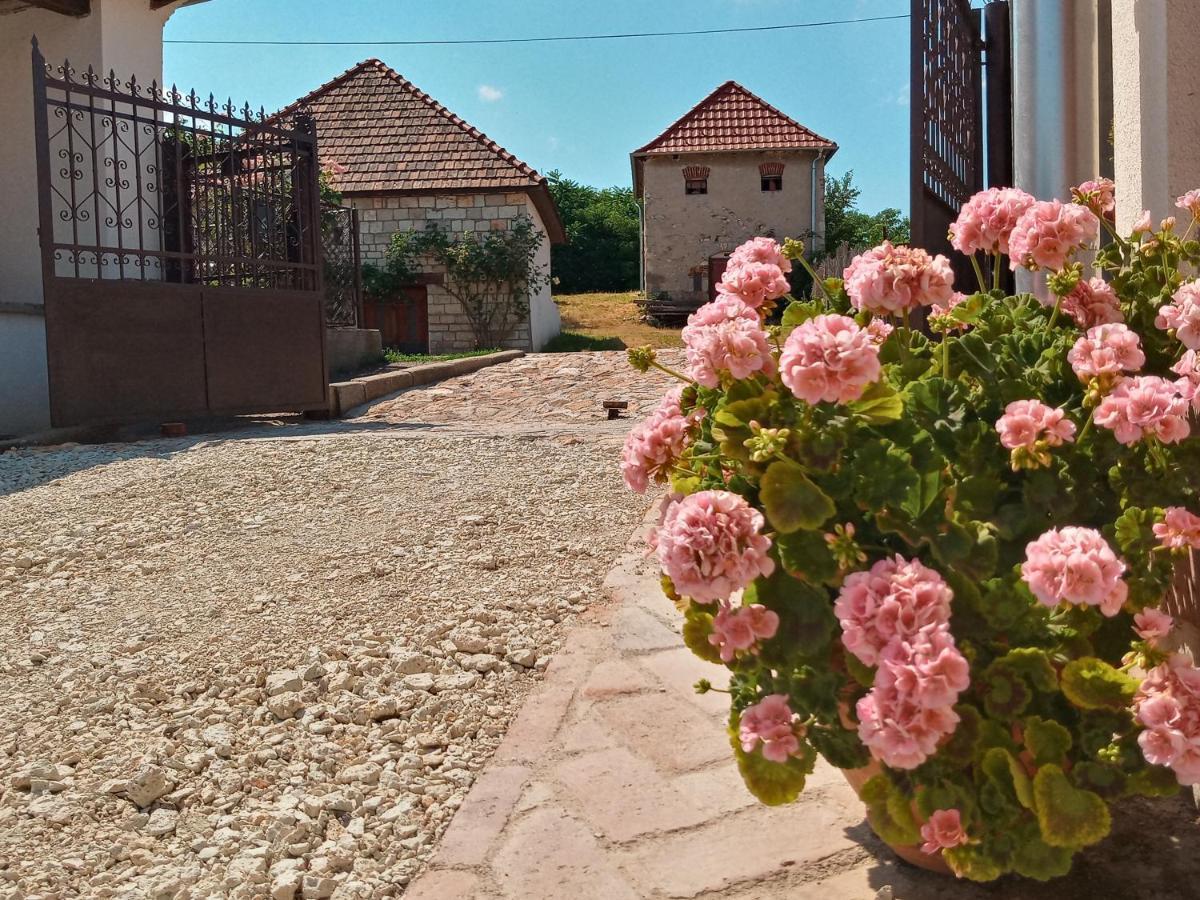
(731, 168)
(404, 161)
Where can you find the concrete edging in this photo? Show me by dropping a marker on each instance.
(347, 396)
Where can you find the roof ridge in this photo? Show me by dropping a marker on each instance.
(725, 87)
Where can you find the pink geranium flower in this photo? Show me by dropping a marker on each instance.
(737, 346)
(1178, 529)
(1152, 625)
(654, 444)
(754, 282)
(829, 358)
(1048, 232)
(1093, 302)
(771, 723)
(890, 604)
(1075, 565)
(941, 310)
(1106, 350)
(888, 279)
(1190, 202)
(740, 629)
(723, 309)
(942, 830)
(1144, 223)
(710, 544)
(1167, 706)
(986, 221)
(1098, 195)
(1188, 384)
(761, 250)
(1144, 406)
(1182, 315)
(1026, 423)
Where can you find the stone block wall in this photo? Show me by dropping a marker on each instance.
(381, 217)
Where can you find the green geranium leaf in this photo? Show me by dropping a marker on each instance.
(806, 555)
(697, 626)
(1038, 860)
(774, 784)
(685, 483)
(859, 671)
(1046, 740)
(797, 313)
(1155, 781)
(1034, 665)
(973, 862)
(1105, 779)
(791, 500)
(839, 747)
(1091, 683)
(1068, 816)
(879, 404)
(1005, 693)
(1008, 777)
(890, 812)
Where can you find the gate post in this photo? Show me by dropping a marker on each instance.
(41, 141)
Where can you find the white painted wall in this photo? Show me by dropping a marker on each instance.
(544, 320)
(123, 35)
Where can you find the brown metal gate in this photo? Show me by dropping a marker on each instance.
(181, 253)
(947, 129)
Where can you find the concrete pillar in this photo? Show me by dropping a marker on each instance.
(1156, 82)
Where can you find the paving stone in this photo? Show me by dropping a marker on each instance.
(586, 735)
(548, 855)
(757, 844)
(623, 796)
(537, 723)
(674, 735)
(613, 677)
(477, 824)
(635, 630)
(679, 669)
(441, 884)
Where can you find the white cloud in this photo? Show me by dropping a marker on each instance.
(489, 94)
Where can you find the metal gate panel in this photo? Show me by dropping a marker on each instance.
(119, 351)
(260, 348)
(947, 120)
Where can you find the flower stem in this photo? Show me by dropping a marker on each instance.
(996, 271)
(657, 365)
(946, 356)
(816, 280)
(1057, 308)
(979, 273)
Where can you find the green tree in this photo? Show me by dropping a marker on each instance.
(846, 224)
(601, 253)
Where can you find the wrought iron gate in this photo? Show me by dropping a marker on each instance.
(948, 113)
(181, 252)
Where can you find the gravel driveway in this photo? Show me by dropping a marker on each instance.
(270, 664)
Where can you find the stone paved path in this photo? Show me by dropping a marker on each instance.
(616, 782)
(539, 390)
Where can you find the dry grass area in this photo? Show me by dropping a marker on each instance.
(608, 322)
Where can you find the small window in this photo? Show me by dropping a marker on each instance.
(772, 183)
(695, 186)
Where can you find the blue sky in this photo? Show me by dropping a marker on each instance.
(582, 107)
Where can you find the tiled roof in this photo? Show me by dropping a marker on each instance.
(733, 118)
(378, 132)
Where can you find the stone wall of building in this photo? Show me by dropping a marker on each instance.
(682, 231)
(381, 217)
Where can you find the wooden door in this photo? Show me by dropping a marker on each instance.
(403, 321)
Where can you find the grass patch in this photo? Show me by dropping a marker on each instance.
(571, 341)
(612, 318)
(392, 355)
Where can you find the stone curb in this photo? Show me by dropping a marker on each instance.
(346, 396)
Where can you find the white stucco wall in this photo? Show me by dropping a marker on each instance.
(123, 35)
(544, 320)
(1156, 121)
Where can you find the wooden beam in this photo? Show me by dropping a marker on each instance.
(66, 7)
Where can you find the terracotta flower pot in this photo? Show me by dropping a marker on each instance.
(910, 853)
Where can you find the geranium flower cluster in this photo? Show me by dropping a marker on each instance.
(1098, 195)
(1075, 565)
(1106, 350)
(738, 630)
(1048, 232)
(1182, 315)
(1092, 302)
(896, 615)
(735, 345)
(1029, 428)
(829, 358)
(1178, 530)
(1167, 706)
(654, 444)
(710, 544)
(986, 221)
(756, 272)
(1188, 383)
(890, 280)
(1145, 406)
(771, 723)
